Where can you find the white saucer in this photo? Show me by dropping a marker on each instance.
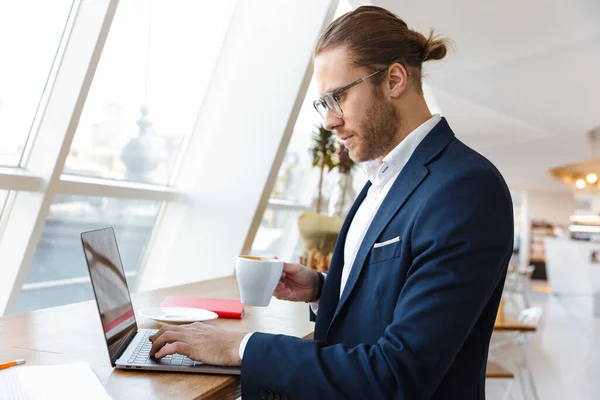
(179, 315)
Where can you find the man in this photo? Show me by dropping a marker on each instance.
(408, 306)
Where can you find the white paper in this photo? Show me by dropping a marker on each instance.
(70, 381)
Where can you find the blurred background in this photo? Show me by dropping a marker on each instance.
(188, 126)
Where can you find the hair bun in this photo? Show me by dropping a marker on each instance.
(434, 48)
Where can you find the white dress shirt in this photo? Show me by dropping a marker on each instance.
(382, 174)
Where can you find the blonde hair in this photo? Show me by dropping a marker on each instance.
(376, 38)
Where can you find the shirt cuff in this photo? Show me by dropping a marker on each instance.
(244, 343)
(314, 305)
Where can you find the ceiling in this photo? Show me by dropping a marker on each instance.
(523, 86)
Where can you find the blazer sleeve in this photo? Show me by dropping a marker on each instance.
(462, 239)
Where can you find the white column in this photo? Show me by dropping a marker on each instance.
(241, 134)
(525, 229)
(554, 207)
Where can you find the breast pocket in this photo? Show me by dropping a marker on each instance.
(385, 250)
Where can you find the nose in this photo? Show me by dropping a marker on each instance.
(332, 121)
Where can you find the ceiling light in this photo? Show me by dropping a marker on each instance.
(591, 178)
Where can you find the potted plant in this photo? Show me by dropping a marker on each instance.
(319, 231)
(323, 150)
(344, 164)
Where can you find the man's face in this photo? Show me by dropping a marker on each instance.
(370, 121)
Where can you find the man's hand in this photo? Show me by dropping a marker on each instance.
(297, 283)
(201, 342)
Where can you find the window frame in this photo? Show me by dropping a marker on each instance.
(34, 185)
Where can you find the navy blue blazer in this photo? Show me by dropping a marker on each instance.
(416, 316)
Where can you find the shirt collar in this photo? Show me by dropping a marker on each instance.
(379, 171)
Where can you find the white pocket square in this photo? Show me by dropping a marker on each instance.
(387, 242)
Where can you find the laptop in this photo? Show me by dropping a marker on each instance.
(128, 347)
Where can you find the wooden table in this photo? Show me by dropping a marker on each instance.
(73, 333)
(506, 323)
(496, 371)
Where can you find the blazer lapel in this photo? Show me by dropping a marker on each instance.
(409, 179)
(331, 288)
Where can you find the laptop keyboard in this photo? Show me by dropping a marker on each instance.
(141, 355)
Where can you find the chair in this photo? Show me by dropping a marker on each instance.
(494, 370)
(517, 283)
(515, 349)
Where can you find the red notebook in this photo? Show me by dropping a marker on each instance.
(223, 307)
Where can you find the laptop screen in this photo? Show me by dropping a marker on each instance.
(110, 289)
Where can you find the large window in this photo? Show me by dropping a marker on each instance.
(58, 273)
(3, 196)
(118, 112)
(30, 32)
(148, 88)
(294, 176)
(296, 184)
(142, 107)
(142, 104)
(276, 235)
(293, 192)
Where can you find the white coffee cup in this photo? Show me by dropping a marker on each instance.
(257, 278)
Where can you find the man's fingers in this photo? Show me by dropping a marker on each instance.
(167, 337)
(280, 288)
(175, 347)
(163, 329)
(281, 294)
(292, 268)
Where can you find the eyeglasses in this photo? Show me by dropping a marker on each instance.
(330, 100)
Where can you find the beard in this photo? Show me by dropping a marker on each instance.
(377, 130)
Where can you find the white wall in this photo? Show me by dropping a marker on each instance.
(591, 200)
(550, 206)
(553, 207)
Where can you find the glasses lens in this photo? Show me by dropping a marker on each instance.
(333, 105)
(320, 107)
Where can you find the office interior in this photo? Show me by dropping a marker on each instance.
(188, 126)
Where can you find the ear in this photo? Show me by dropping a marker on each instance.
(397, 80)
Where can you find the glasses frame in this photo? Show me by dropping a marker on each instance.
(335, 95)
